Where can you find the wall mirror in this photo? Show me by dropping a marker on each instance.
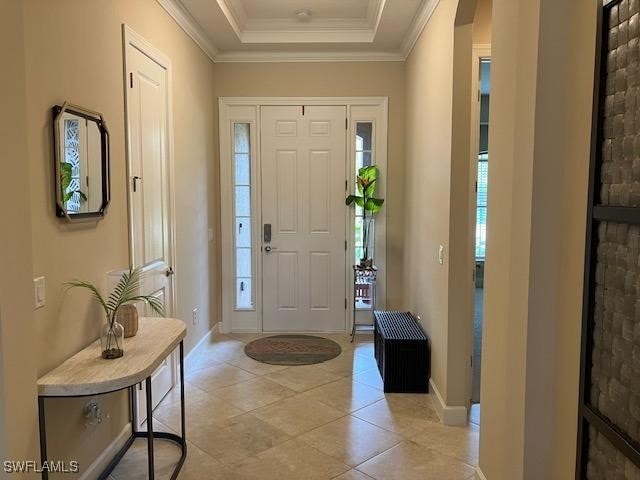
(81, 162)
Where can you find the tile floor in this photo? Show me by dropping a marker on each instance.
(251, 421)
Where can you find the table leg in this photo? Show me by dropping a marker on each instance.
(182, 410)
(133, 409)
(43, 437)
(150, 428)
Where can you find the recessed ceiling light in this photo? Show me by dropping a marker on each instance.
(303, 15)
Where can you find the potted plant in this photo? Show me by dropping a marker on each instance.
(366, 182)
(125, 292)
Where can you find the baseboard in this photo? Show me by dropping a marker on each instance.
(479, 474)
(449, 415)
(189, 356)
(99, 464)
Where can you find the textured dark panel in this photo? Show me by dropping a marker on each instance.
(615, 389)
(607, 463)
(620, 171)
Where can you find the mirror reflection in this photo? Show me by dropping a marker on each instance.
(81, 163)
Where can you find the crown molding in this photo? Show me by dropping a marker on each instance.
(375, 14)
(290, 30)
(312, 57)
(307, 36)
(234, 14)
(423, 15)
(191, 27)
(184, 19)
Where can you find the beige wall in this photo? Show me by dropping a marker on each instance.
(438, 147)
(74, 52)
(338, 80)
(18, 407)
(429, 93)
(540, 134)
(482, 23)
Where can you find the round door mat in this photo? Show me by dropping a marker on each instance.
(292, 350)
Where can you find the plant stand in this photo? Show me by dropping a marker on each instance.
(364, 292)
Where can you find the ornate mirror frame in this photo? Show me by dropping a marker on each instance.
(58, 156)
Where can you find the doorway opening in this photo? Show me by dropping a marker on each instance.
(481, 161)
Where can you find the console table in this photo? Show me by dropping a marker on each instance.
(87, 374)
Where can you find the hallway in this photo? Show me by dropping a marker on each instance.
(248, 421)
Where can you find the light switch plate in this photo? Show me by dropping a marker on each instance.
(40, 292)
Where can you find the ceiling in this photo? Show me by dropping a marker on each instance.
(302, 30)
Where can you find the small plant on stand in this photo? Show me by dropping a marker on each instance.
(125, 292)
(366, 182)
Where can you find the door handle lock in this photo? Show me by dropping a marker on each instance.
(269, 249)
(169, 272)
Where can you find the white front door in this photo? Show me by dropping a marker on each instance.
(149, 193)
(303, 206)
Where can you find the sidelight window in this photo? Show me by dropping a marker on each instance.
(364, 158)
(244, 269)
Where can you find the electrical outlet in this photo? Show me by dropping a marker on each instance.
(441, 255)
(195, 316)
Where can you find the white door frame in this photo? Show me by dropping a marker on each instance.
(480, 51)
(133, 39)
(247, 110)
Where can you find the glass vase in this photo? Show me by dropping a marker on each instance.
(112, 340)
(368, 242)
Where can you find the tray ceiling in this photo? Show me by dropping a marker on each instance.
(302, 30)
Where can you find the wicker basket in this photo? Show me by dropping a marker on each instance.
(127, 316)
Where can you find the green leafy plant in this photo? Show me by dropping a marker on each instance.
(366, 182)
(125, 292)
(65, 181)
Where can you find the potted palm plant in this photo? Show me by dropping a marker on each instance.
(366, 183)
(125, 292)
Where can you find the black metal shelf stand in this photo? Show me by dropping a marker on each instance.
(363, 277)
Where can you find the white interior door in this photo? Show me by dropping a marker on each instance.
(303, 191)
(150, 193)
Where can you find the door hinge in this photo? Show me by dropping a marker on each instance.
(345, 303)
(479, 96)
(130, 79)
(345, 245)
(346, 185)
(476, 186)
(346, 124)
(302, 110)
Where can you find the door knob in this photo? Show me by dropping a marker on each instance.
(169, 272)
(268, 249)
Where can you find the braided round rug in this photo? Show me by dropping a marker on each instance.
(292, 349)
